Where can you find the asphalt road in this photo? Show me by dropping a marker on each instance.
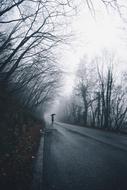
(77, 158)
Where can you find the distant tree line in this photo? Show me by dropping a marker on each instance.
(100, 95)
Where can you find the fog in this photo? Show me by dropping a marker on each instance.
(93, 31)
(64, 59)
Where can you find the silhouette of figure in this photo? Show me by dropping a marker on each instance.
(52, 117)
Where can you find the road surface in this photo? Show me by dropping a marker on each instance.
(77, 158)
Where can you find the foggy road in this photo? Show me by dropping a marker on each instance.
(77, 158)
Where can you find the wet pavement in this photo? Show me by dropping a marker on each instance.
(77, 158)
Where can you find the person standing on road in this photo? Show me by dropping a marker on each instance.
(52, 118)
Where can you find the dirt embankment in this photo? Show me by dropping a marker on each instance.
(19, 139)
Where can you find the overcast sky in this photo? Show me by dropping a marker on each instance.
(91, 34)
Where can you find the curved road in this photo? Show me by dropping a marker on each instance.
(77, 158)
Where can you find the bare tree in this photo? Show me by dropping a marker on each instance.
(100, 95)
(30, 32)
(85, 86)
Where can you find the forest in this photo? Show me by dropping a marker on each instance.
(99, 96)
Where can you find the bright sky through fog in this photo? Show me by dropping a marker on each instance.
(91, 36)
